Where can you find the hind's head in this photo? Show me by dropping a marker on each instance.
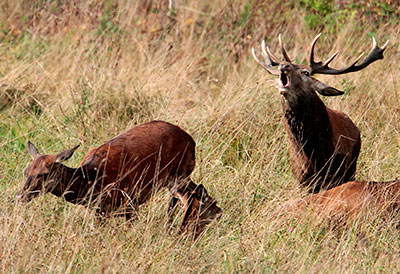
(43, 173)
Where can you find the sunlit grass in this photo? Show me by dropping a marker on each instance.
(85, 80)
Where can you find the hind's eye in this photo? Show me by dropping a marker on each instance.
(305, 72)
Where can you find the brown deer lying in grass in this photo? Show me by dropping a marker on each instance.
(124, 172)
(355, 199)
(324, 143)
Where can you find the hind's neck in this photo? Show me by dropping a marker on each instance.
(75, 185)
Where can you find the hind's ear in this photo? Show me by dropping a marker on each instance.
(33, 151)
(200, 189)
(65, 155)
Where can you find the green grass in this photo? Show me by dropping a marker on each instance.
(81, 73)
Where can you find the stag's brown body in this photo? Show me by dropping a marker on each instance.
(123, 172)
(324, 143)
(356, 199)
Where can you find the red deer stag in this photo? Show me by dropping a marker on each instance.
(324, 143)
(123, 172)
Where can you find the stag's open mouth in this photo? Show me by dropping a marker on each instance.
(285, 82)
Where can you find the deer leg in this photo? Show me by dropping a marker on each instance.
(130, 213)
(101, 217)
(187, 216)
(171, 209)
(178, 187)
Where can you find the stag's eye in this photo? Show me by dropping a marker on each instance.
(305, 72)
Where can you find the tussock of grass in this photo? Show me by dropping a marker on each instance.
(84, 71)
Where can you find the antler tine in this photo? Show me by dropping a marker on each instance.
(357, 59)
(267, 56)
(385, 45)
(271, 54)
(285, 55)
(312, 62)
(327, 62)
(268, 66)
(375, 54)
(374, 43)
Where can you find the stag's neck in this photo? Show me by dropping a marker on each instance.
(73, 184)
(307, 122)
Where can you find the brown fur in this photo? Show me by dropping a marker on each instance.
(199, 208)
(122, 173)
(141, 160)
(324, 143)
(354, 199)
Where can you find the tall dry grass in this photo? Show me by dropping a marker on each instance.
(84, 71)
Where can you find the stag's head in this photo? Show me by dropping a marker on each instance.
(42, 173)
(296, 80)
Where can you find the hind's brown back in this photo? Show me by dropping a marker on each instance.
(141, 159)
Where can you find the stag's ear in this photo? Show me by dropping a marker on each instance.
(33, 151)
(330, 91)
(65, 155)
(325, 90)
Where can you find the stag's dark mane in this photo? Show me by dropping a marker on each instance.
(310, 131)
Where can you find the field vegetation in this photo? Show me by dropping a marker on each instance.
(81, 72)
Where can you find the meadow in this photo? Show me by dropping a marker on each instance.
(81, 72)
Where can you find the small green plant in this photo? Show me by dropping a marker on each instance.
(329, 15)
(108, 22)
(319, 13)
(347, 87)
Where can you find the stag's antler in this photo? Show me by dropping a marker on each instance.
(269, 64)
(270, 58)
(322, 68)
(285, 55)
